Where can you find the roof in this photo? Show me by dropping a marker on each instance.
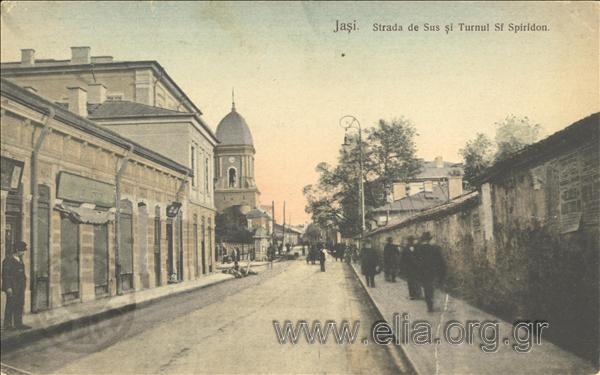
(102, 63)
(584, 131)
(462, 202)
(233, 130)
(417, 202)
(288, 229)
(36, 102)
(125, 108)
(256, 213)
(429, 170)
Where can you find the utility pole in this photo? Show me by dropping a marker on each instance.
(348, 122)
(283, 242)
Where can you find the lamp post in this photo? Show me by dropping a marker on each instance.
(351, 122)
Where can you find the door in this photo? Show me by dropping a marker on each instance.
(157, 238)
(69, 259)
(101, 259)
(180, 246)
(203, 248)
(196, 266)
(41, 271)
(170, 267)
(126, 248)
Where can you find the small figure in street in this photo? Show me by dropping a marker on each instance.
(369, 264)
(431, 267)
(322, 258)
(390, 260)
(410, 267)
(271, 255)
(236, 258)
(13, 284)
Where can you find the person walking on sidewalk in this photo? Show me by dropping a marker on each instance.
(369, 264)
(13, 284)
(322, 258)
(410, 267)
(431, 266)
(390, 260)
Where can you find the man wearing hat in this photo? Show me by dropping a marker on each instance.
(13, 284)
(431, 267)
(390, 260)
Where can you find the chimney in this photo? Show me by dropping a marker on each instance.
(454, 186)
(78, 101)
(428, 186)
(399, 190)
(439, 162)
(80, 55)
(96, 93)
(27, 57)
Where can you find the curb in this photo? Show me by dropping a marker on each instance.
(406, 356)
(12, 343)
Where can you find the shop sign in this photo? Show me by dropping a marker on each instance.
(80, 189)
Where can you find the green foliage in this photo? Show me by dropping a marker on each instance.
(477, 156)
(512, 135)
(232, 226)
(388, 155)
(312, 234)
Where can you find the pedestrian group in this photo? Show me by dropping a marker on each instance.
(420, 261)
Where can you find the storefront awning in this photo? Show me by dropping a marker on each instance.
(84, 215)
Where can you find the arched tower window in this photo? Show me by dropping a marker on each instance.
(232, 174)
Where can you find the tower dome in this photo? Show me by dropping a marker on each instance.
(233, 130)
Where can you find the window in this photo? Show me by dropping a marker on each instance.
(206, 177)
(232, 177)
(193, 166)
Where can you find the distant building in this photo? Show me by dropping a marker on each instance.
(436, 183)
(234, 160)
(287, 234)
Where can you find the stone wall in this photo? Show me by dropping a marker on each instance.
(525, 246)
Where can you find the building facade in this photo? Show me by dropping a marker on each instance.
(138, 100)
(98, 210)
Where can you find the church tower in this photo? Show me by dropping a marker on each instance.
(234, 164)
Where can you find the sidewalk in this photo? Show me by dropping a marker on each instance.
(66, 317)
(392, 298)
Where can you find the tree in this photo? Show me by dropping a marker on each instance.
(477, 155)
(312, 234)
(232, 226)
(388, 155)
(513, 134)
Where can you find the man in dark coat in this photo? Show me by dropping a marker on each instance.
(322, 258)
(410, 267)
(390, 260)
(13, 284)
(431, 267)
(369, 264)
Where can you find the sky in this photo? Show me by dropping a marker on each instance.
(294, 77)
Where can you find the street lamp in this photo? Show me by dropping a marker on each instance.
(350, 122)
